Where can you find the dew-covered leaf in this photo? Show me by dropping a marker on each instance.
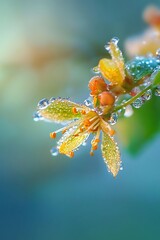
(111, 154)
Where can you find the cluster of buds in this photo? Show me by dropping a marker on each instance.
(114, 82)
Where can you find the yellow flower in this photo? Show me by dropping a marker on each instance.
(83, 121)
(113, 69)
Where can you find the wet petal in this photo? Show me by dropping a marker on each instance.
(71, 140)
(111, 154)
(61, 110)
(113, 69)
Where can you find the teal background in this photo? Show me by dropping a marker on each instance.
(47, 48)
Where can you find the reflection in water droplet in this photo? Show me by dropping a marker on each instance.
(138, 103)
(115, 40)
(113, 119)
(128, 111)
(96, 70)
(43, 103)
(52, 99)
(88, 102)
(54, 151)
(157, 92)
(37, 117)
(147, 95)
(158, 53)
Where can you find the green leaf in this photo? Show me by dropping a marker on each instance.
(134, 132)
(156, 78)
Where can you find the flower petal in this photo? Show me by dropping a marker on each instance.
(111, 154)
(71, 140)
(113, 69)
(61, 110)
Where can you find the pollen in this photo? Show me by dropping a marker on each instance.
(53, 135)
(74, 110)
(71, 154)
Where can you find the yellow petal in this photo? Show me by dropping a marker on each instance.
(61, 110)
(111, 154)
(113, 69)
(71, 141)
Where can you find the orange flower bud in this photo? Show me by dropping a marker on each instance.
(106, 98)
(97, 85)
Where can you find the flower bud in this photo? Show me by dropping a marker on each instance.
(97, 85)
(106, 98)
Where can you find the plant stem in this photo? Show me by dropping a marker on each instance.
(131, 100)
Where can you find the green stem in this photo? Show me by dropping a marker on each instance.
(131, 100)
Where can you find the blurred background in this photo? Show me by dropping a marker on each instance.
(48, 48)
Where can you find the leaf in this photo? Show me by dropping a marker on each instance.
(111, 154)
(156, 78)
(61, 110)
(134, 132)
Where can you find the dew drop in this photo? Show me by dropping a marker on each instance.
(99, 111)
(138, 103)
(157, 92)
(147, 95)
(115, 40)
(54, 151)
(128, 111)
(158, 53)
(113, 119)
(43, 103)
(96, 70)
(121, 168)
(37, 117)
(107, 46)
(52, 99)
(88, 102)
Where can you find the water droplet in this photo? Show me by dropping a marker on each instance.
(128, 111)
(121, 168)
(84, 143)
(107, 46)
(113, 119)
(43, 103)
(52, 99)
(157, 92)
(37, 117)
(54, 151)
(158, 53)
(88, 102)
(138, 103)
(115, 40)
(96, 70)
(147, 95)
(99, 111)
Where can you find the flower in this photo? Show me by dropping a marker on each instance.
(148, 41)
(83, 121)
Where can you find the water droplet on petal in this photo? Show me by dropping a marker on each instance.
(96, 70)
(52, 99)
(113, 119)
(138, 103)
(107, 46)
(157, 92)
(99, 111)
(43, 104)
(54, 151)
(37, 117)
(121, 168)
(115, 40)
(88, 102)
